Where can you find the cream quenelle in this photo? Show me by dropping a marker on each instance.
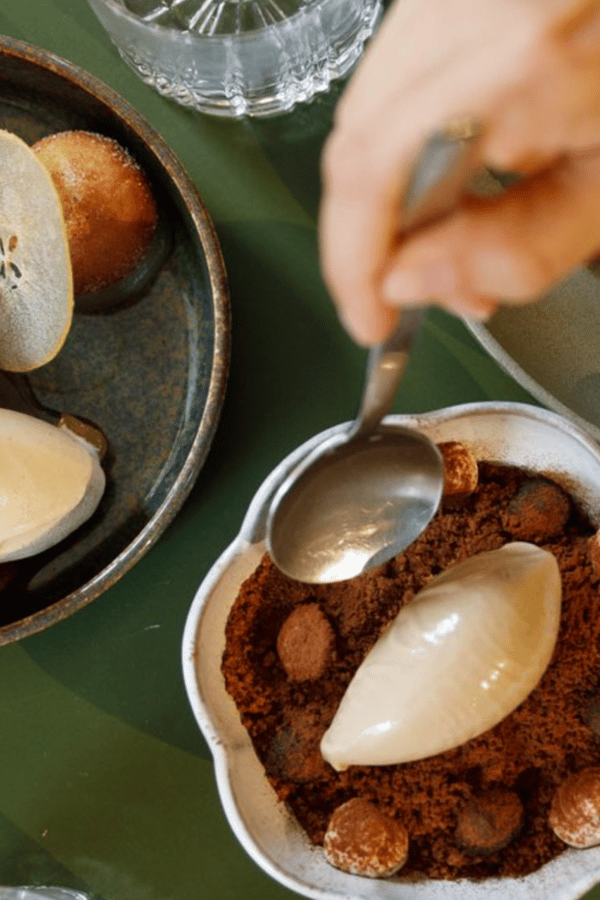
(51, 481)
(457, 659)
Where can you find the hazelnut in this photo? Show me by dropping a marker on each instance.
(305, 643)
(575, 811)
(489, 822)
(538, 511)
(362, 840)
(461, 472)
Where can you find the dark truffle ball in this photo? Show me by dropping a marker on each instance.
(305, 643)
(362, 840)
(489, 822)
(538, 511)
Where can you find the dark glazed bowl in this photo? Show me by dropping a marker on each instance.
(151, 373)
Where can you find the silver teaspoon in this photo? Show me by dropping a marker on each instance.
(364, 495)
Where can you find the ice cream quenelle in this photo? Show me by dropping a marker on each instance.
(455, 661)
(51, 481)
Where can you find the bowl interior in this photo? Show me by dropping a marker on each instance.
(508, 433)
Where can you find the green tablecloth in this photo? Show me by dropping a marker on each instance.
(105, 780)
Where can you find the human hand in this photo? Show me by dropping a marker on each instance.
(529, 71)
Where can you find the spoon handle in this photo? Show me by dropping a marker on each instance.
(437, 182)
(385, 367)
(440, 174)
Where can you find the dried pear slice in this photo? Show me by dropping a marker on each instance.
(51, 481)
(36, 282)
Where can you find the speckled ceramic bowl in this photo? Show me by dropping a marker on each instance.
(504, 432)
(151, 373)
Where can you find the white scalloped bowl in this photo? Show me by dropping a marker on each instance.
(509, 433)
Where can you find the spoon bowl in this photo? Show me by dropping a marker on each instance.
(364, 495)
(353, 504)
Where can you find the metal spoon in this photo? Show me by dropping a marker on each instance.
(367, 493)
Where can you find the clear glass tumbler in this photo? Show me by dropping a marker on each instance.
(239, 57)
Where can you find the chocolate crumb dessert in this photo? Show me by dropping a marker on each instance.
(482, 809)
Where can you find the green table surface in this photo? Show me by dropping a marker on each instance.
(105, 780)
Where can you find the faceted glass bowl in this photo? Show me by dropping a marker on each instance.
(239, 57)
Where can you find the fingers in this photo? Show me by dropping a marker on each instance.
(556, 106)
(394, 102)
(513, 247)
(531, 72)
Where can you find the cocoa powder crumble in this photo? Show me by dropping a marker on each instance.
(526, 756)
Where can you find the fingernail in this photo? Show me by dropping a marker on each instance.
(405, 284)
